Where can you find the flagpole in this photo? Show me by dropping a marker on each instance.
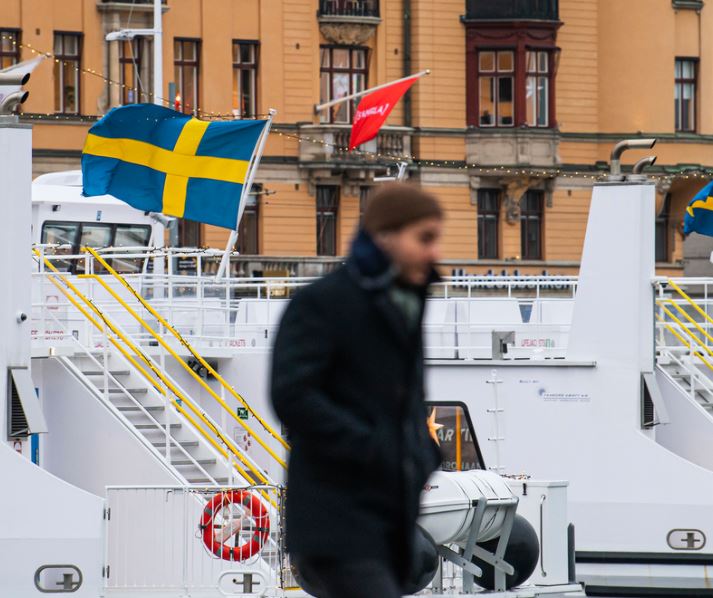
(318, 108)
(247, 186)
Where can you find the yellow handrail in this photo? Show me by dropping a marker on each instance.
(685, 342)
(691, 320)
(685, 329)
(183, 363)
(680, 291)
(161, 376)
(187, 345)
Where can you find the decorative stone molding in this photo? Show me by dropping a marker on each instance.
(515, 188)
(349, 31)
(513, 147)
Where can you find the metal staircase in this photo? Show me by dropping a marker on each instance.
(135, 385)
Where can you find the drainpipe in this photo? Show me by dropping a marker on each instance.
(407, 60)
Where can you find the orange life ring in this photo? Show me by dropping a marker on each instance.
(261, 528)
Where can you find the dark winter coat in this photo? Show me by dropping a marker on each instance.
(347, 382)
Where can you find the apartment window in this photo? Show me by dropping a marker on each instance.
(186, 62)
(248, 241)
(343, 71)
(488, 221)
(130, 58)
(327, 208)
(9, 47)
(364, 194)
(685, 94)
(531, 213)
(496, 80)
(245, 78)
(537, 88)
(67, 54)
(511, 71)
(662, 231)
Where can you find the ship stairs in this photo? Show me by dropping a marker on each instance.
(128, 371)
(684, 339)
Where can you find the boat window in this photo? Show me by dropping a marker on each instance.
(130, 235)
(95, 235)
(75, 235)
(450, 424)
(61, 233)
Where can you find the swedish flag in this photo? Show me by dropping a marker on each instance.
(699, 212)
(159, 160)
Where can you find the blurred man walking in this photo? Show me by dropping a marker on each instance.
(347, 382)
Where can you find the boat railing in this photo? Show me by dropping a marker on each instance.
(239, 313)
(684, 315)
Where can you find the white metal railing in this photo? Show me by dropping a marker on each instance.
(156, 540)
(243, 313)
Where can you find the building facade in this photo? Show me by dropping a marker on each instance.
(512, 127)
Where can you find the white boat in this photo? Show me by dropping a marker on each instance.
(597, 411)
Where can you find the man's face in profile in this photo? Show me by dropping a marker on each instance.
(414, 249)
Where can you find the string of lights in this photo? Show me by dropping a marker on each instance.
(342, 151)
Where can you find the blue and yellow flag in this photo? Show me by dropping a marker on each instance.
(159, 160)
(699, 213)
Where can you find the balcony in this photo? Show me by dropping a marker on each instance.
(349, 8)
(513, 147)
(331, 141)
(512, 10)
(348, 22)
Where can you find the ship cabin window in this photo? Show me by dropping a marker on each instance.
(449, 423)
(72, 236)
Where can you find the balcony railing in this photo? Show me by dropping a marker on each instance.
(330, 143)
(349, 8)
(512, 10)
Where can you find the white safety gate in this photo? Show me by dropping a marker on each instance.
(156, 541)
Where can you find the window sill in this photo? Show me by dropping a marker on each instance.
(687, 4)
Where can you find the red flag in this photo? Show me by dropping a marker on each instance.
(374, 109)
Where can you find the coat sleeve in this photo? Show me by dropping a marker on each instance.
(302, 355)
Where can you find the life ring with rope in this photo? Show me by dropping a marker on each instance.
(215, 541)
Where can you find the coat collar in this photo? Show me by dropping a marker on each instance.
(372, 270)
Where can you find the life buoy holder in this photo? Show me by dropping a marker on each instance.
(260, 529)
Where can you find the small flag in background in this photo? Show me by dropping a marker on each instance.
(159, 160)
(374, 109)
(699, 213)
